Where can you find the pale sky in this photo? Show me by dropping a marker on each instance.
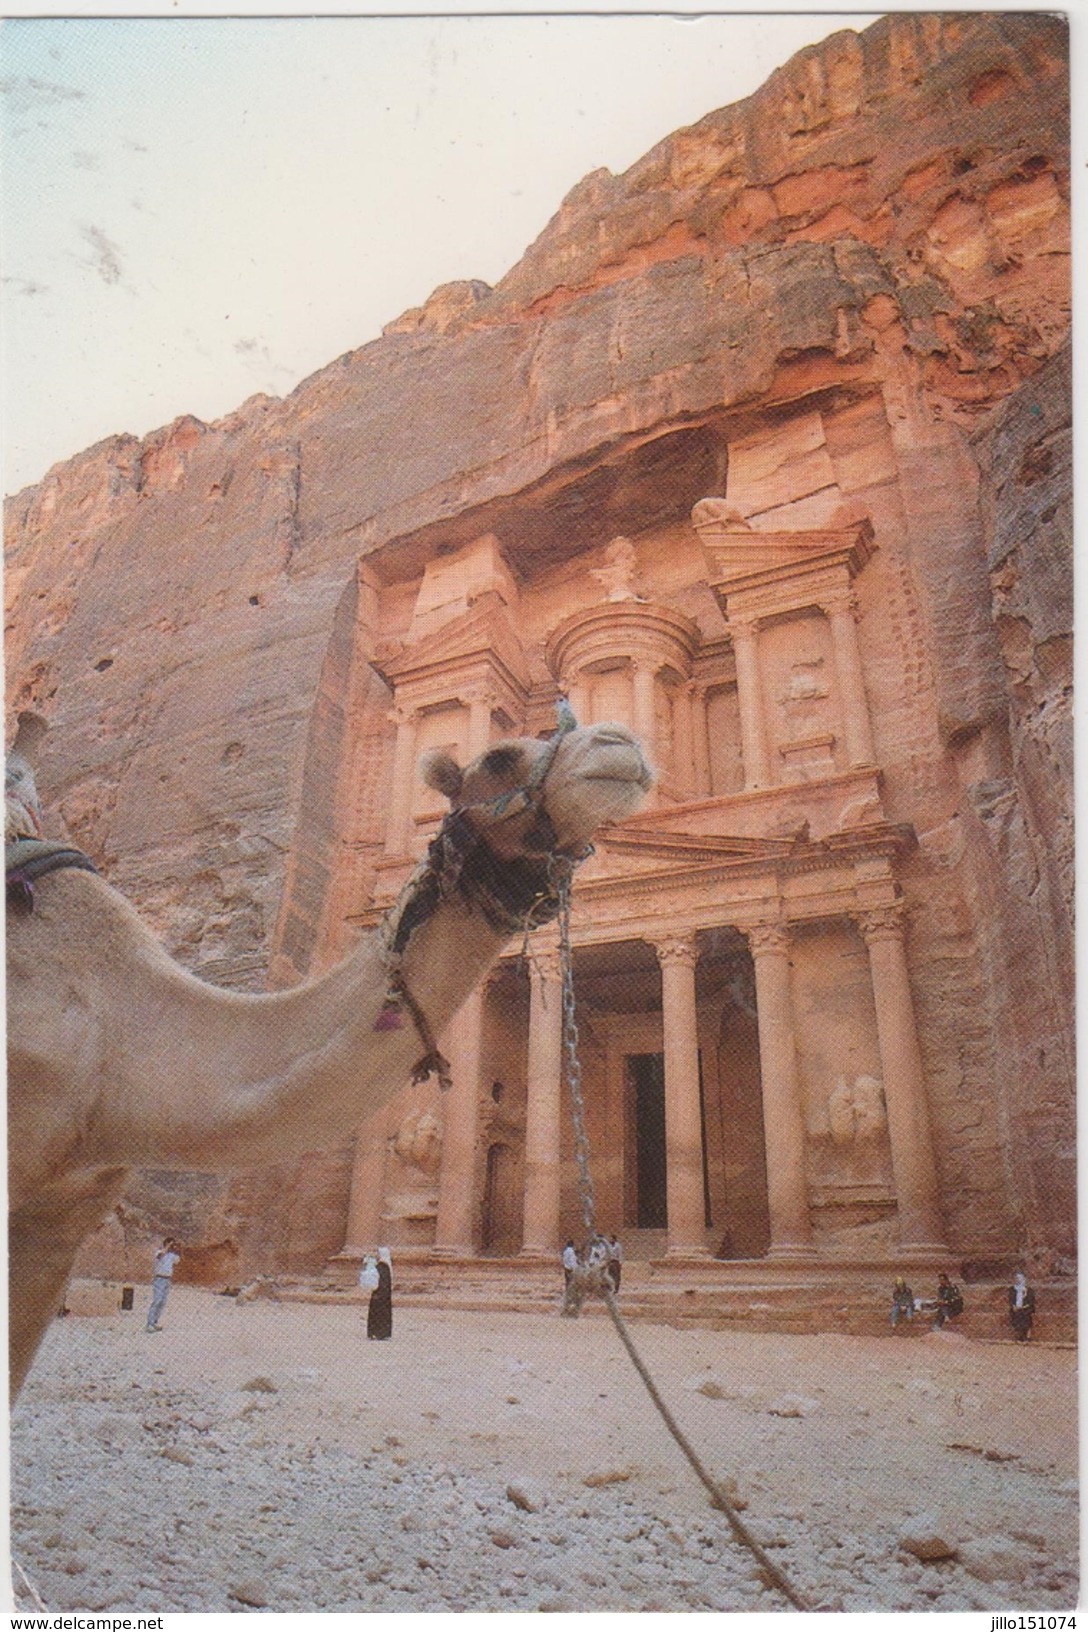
(198, 209)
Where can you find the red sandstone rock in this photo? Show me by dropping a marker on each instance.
(807, 301)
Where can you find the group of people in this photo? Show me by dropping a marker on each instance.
(598, 1253)
(949, 1303)
(603, 1256)
(376, 1277)
(597, 1267)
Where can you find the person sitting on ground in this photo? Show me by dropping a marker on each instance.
(1021, 1306)
(949, 1301)
(902, 1301)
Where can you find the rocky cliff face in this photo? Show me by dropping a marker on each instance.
(888, 215)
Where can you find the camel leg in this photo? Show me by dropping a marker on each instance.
(44, 1235)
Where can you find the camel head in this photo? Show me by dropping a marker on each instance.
(526, 796)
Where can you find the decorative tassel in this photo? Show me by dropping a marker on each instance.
(433, 1064)
(391, 1017)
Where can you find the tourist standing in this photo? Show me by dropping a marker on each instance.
(166, 1260)
(615, 1262)
(570, 1263)
(379, 1315)
(1021, 1306)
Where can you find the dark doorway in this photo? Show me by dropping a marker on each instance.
(646, 1079)
(502, 1218)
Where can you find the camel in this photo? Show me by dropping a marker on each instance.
(120, 1058)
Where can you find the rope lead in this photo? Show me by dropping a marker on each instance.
(719, 1499)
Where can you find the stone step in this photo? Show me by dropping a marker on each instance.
(714, 1296)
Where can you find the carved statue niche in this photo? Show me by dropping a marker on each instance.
(855, 1111)
(620, 571)
(418, 1141)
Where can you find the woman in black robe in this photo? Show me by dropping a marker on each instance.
(379, 1314)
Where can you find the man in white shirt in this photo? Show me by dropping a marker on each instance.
(162, 1278)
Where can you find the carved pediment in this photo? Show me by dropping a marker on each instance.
(736, 552)
(692, 846)
(484, 632)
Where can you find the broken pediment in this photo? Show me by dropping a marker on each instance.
(736, 554)
(482, 633)
(454, 582)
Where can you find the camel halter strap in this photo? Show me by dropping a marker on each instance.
(512, 896)
(26, 860)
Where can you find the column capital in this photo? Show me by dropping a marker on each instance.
(839, 601)
(471, 695)
(678, 949)
(402, 714)
(545, 964)
(641, 663)
(768, 938)
(743, 626)
(882, 923)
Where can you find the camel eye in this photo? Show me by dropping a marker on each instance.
(501, 761)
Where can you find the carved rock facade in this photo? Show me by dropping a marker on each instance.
(761, 448)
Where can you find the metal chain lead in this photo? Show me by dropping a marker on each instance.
(772, 1571)
(573, 1060)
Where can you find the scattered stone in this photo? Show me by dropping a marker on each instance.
(174, 1453)
(259, 1385)
(614, 1476)
(503, 1538)
(732, 1491)
(792, 1405)
(995, 1558)
(927, 1545)
(249, 1592)
(529, 1501)
(712, 1389)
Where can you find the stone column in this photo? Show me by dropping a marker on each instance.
(783, 1120)
(683, 1123)
(700, 739)
(857, 729)
(542, 1113)
(683, 766)
(578, 698)
(479, 725)
(402, 791)
(643, 711)
(454, 1234)
(367, 1193)
(913, 1163)
(753, 733)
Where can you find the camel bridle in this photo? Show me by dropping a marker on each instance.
(513, 896)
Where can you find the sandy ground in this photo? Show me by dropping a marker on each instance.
(266, 1456)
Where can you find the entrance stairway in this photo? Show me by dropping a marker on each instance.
(757, 1295)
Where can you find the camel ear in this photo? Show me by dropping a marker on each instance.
(441, 771)
(32, 729)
